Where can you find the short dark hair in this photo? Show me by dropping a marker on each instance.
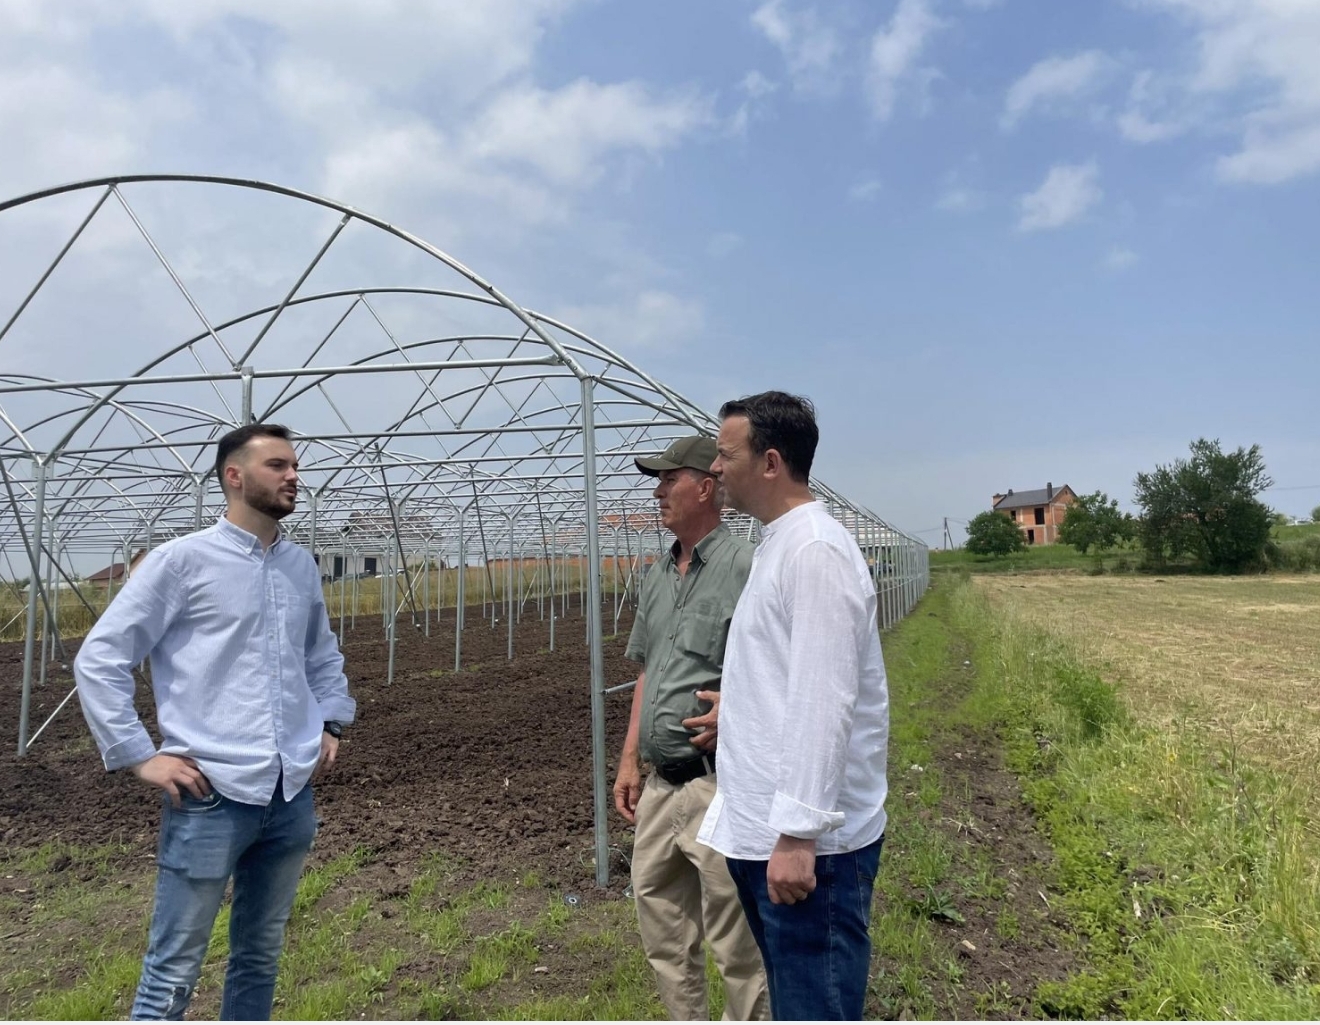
(236, 439)
(783, 422)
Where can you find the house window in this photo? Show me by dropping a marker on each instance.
(1012, 515)
(1031, 537)
(369, 565)
(1040, 516)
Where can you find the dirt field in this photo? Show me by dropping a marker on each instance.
(491, 765)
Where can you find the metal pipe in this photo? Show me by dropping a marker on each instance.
(597, 654)
(29, 638)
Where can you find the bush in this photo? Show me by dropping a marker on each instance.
(993, 533)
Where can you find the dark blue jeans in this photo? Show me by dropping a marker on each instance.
(203, 844)
(817, 952)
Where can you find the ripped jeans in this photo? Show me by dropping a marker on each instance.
(202, 844)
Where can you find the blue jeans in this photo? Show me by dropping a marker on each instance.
(817, 952)
(202, 844)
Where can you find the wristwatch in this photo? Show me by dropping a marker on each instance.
(335, 729)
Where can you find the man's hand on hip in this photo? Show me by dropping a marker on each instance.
(174, 774)
(790, 875)
(628, 787)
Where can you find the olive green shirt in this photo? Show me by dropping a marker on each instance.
(678, 634)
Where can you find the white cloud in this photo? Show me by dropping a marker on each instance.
(649, 319)
(895, 52)
(1069, 190)
(1137, 123)
(865, 191)
(756, 87)
(1118, 258)
(1255, 76)
(1050, 80)
(811, 47)
(565, 133)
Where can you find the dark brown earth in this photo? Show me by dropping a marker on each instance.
(490, 767)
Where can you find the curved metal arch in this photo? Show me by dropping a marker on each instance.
(461, 269)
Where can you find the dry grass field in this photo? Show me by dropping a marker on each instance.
(1237, 657)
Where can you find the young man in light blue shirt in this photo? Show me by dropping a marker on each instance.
(250, 699)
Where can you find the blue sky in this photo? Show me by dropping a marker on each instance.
(999, 242)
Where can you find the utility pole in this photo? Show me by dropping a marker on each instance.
(948, 539)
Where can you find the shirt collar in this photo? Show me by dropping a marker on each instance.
(702, 550)
(245, 540)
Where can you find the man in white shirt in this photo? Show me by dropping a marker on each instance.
(804, 722)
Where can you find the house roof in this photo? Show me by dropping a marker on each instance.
(1024, 499)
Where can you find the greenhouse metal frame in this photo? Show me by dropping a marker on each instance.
(437, 421)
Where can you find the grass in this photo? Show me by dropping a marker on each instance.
(1035, 559)
(1187, 862)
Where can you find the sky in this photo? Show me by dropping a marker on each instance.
(998, 243)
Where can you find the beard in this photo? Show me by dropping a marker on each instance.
(274, 504)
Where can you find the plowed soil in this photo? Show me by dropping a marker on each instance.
(490, 765)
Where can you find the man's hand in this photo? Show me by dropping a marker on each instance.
(708, 723)
(628, 787)
(173, 774)
(791, 874)
(329, 752)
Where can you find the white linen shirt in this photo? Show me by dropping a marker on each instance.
(244, 667)
(804, 709)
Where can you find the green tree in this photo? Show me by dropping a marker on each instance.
(1206, 507)
(993, 533)
(1315, 514)
(1093, 521)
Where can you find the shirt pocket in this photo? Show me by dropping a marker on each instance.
(295, 611)
(703, 631)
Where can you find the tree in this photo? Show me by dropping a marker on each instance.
(1206, 507)
(1315, 514)
(993, 533)
(1093, 521)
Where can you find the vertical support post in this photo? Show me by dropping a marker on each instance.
(460, 596)
(311, 530)
(426, 586)
(30, 635)
(614, 562)
(343, 582)
(595, 635)
(393, 609)
(199, 489)
(245, 377)
(510, 595)
(52, 603)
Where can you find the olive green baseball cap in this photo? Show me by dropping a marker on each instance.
(694, 453)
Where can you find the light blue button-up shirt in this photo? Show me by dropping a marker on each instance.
(244, 667)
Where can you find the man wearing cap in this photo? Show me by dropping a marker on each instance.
(683, 889)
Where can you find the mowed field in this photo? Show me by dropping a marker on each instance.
(1236, 657)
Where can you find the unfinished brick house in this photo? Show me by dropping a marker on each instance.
(1038, 513)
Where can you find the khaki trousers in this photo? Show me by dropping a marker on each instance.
(684, 894)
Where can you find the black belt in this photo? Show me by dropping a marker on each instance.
(678, 773)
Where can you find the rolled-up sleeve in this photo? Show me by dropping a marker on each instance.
(120, 640)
